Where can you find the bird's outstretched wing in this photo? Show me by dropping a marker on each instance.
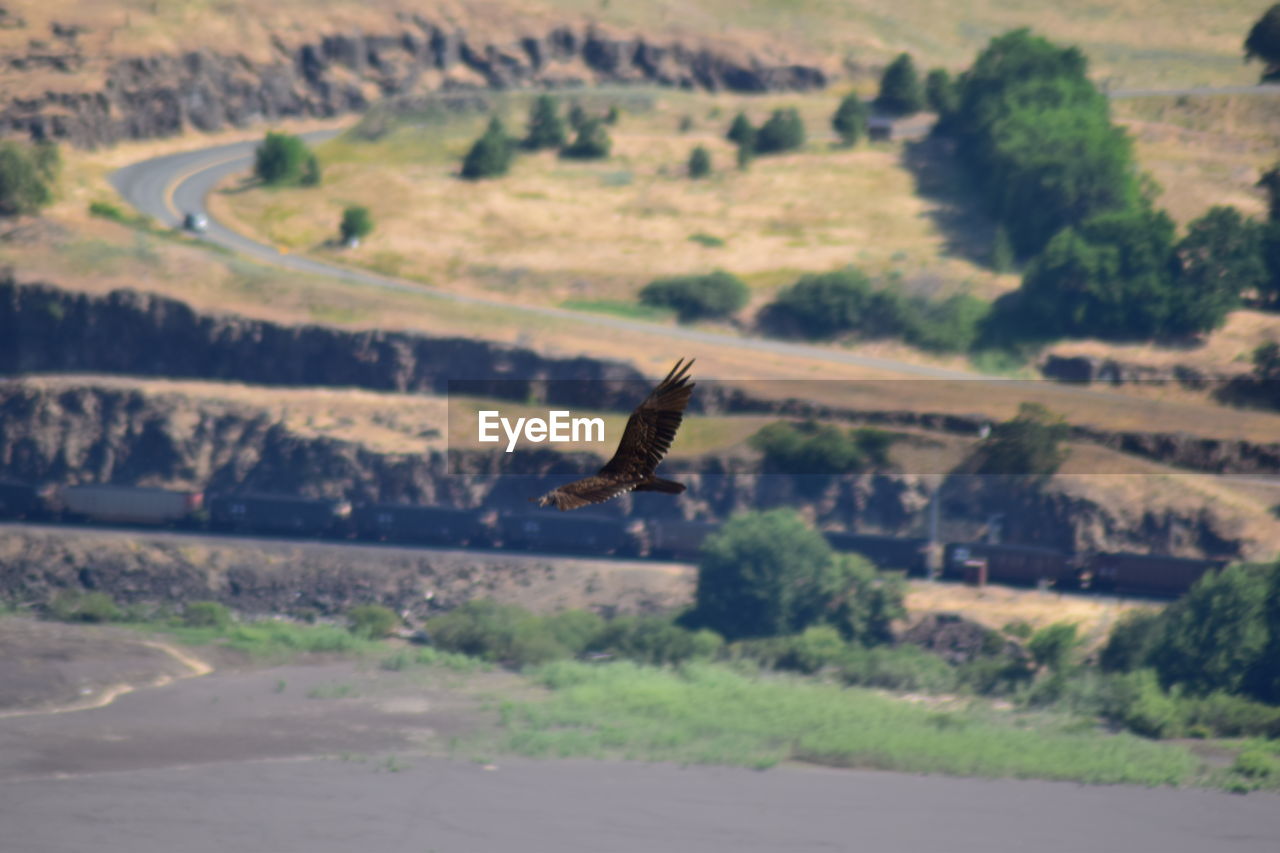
(652, 427)
(645, 440)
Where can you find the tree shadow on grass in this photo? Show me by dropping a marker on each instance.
(955, 207)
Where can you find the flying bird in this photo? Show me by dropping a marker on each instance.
(647, 438)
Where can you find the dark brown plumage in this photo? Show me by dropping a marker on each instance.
(647, 438)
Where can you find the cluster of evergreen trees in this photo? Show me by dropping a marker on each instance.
(491, 155)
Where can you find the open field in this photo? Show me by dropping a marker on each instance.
(555, 230)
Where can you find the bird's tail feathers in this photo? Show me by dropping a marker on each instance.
(657, 484)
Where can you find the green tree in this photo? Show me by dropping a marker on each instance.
(1263, 43)
(741, 130)
(699, 162)
(490, 156)
(577, 116)
(763, 575)
(1030, 444)
(784, 131)
(372, 621)
(1003, 256)
(1220, 257)
(1035, 135)
(591, 143)
(1270, 182)
(356, 223)
(283, 159)
(310, 176)
(826, 304)
(1110, 278)
(27, 175)
(717, 294)
(1214, 637)
(900, 90)
(1131, 641)
(850, 119)
(861, 603)
(941, 92)
(612, 116)
(546, 128)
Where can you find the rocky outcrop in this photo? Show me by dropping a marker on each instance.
(46, 329)
(1088, 369)
(213, 89)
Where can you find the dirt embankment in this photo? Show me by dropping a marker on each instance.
(313, 579)
(89, 96)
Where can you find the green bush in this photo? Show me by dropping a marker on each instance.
(825, 304)
(1136, 701)
(591, 143)
(490, 156)
(784, 131)
(206, 614)
(900, 89)
(742, 131)
(816, 648)
(1054, 646)
(655, 640)
(699, 163)
(697, 297)
(546, 128)
(850, 119)
(813, 448)
(941, 93)
(371, 621)
(1256, 764)
(27, 177)
(903, 668)
(356, 223)
(1131, 641)
(1225, 715)
(284, 159)
(94, 607)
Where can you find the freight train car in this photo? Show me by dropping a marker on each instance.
(677, 539)
(1146, 574)
(1021, 565)
(434, 525)
(279, 514)
(128, 505)
(887, 552)
(581, 534)
(18, 500)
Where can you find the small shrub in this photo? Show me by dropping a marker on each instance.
(1019, 628)
(904, 668)
(784, 131)
(356, 223)
(546, 128)
(742, 131)
(698, 297)
(1136, 701)
(850, 119)
(372, 621)
(592, 142)
(283, 159)
(1052, 647)
(27, 176)
(900, 90)
(699, 163)
(710, 241)
(93, 607)
(206, 614)
(1256, 764)
(816, 648)
(490, 156)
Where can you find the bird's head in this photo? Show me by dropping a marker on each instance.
(543, 500)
